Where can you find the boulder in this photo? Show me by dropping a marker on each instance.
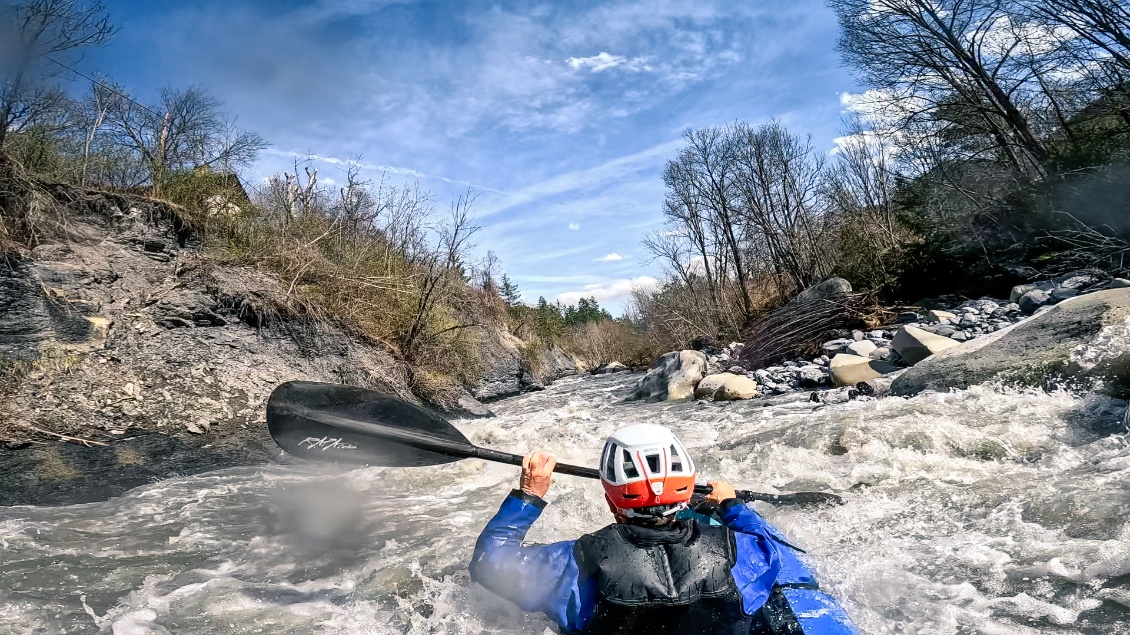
(610, 367)
(1060, 294)
(673, 376)
(726, 387)
(938, 316)
(849, 370)
(1033, 300)
(945, 330)
(1082, 279)
(881, 354)
(811, 376)
(829, 289)
(1079, 342)
(1120, 283)
(835, 347)
(862, 348)
(915, 345)
(1020, 290)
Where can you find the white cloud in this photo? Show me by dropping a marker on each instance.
(574, 226)
(606, 293)
(592, 178)
(605, 61)
(612, 257)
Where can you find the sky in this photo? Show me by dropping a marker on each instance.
(559, 117)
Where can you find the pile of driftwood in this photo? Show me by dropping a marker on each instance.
(800, 327)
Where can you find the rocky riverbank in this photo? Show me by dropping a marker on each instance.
(859, 363)
(127, 354)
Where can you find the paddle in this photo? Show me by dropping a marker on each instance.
(345, 424)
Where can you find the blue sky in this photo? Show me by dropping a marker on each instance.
(560, 116)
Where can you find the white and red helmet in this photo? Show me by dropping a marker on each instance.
(645, 465)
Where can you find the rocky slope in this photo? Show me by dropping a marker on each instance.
(127, 355)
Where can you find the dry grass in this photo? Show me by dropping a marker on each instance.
(332, 271)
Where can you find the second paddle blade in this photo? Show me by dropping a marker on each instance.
(345, 424)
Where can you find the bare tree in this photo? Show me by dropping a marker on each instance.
(1104, 24)
(186, 131)
(438, 271)
(945, 58)
(779, 179)
(32, 33)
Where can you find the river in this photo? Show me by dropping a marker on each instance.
(978, 512)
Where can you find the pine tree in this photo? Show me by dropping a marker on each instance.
(510, 292)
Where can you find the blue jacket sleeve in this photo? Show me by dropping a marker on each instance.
(538, 578)
(759, 558)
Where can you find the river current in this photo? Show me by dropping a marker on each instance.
(987, 511)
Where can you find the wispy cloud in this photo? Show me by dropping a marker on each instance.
(560, 114)
(605, 61)
(588, 178)
(612, 257)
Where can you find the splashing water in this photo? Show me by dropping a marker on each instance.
(986, 511)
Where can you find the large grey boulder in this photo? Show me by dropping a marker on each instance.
(915, 344)
(726, 387)
(826, 290)
(1083, 342)
(672, 377)
(849, 370)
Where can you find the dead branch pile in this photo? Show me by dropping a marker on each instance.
(799, 328)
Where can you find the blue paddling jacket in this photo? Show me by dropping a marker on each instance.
(691, 577)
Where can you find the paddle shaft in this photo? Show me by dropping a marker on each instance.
(396, 431)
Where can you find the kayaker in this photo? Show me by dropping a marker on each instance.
(652, 572)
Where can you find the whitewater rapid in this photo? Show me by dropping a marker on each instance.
(986, 511)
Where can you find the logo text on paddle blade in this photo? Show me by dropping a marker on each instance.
(325, 443)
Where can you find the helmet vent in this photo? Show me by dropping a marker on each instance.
(653, 463)
(610, 465)
(630, 470)
(676, 460)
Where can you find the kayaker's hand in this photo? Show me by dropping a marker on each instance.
(537, 473)
(722, 491)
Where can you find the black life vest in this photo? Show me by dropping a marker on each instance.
(662, 581)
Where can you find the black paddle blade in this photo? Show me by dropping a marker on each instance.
(345, 424)
(799, 498)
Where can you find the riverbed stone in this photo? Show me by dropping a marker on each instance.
(861, 348)
(835, 347)
(1078, 343)
(1033, 300)
(849, 370)
(811, 376)
(940, 316)
(726, 387)
(1020, 290)
(915, 344)
(1120, 283)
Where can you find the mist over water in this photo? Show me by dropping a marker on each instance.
(979, 512)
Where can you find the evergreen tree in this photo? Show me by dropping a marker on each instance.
(510, 292)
